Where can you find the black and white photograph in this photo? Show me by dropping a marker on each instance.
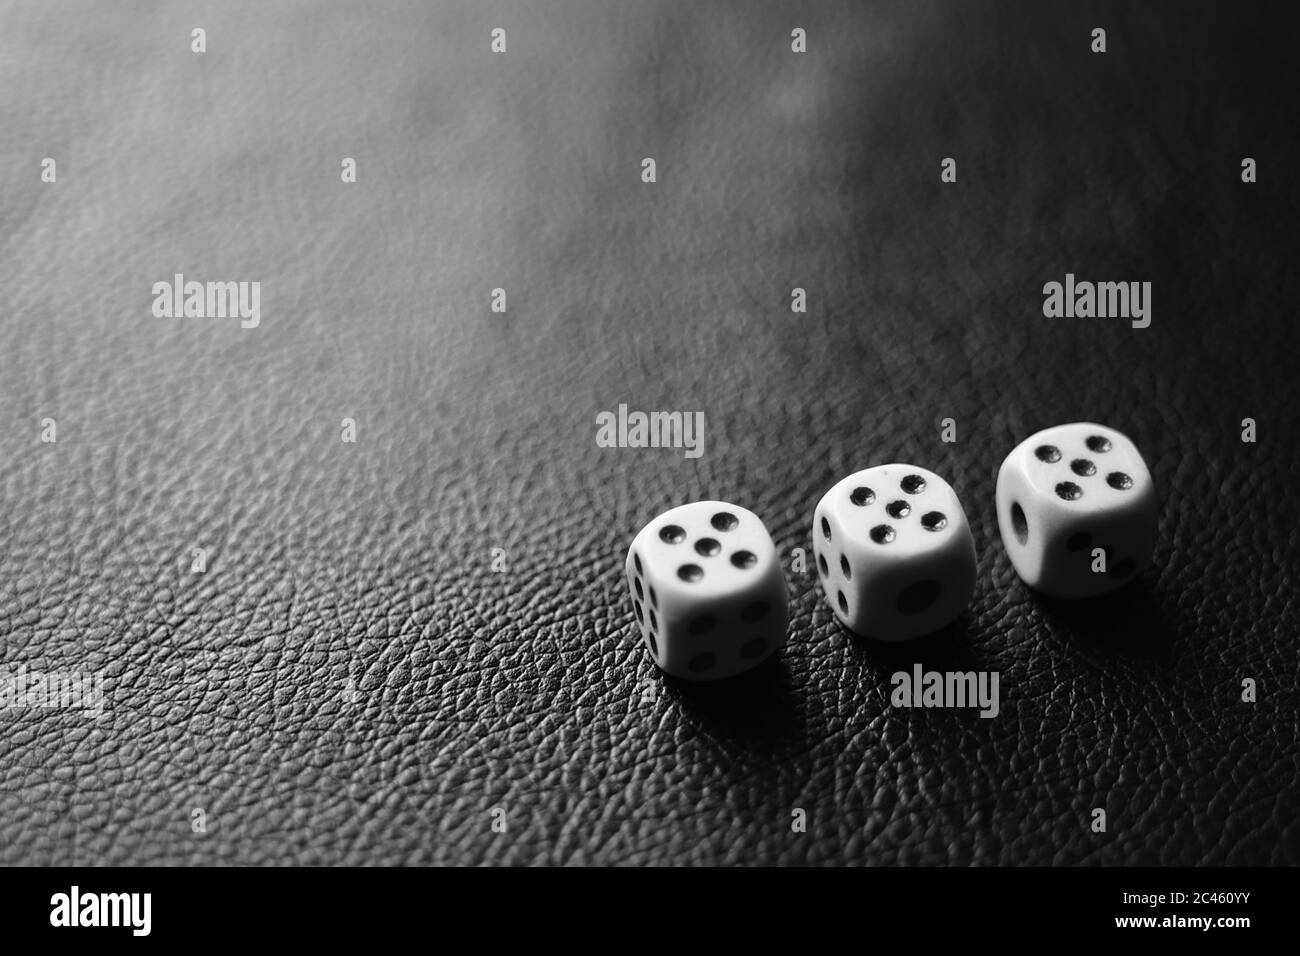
(648, 435)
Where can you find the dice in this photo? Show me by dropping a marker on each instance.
(707, 590)
(894, 552)
(1069, 496)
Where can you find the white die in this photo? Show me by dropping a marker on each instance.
(894, 552)
(707, 590)
(1069, 490)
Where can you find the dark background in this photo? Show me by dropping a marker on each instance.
(350, 683)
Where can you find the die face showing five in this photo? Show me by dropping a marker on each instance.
(894, 552)
(707, 590)
(1066, 491)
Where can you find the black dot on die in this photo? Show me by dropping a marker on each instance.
(724, 521)
(640, 612)
(934, 521)
(844, 602)
(707, 547)
(755, 611)
(640, 594)
(1048, 453)
(744, 559)
(1083, 467)
(821, 565)
(898, 509)
(672, 534)
(917, 597)
(654, 645)
(1080, 541)
(862, 497)
(636, 560)
(702, 624)
(845, 568)
(654, 622)
(752, 649)
(1098, 443)
(826, 529)
(701, 663)
(654, 598)
(1119, 481)
(690, 572)
(1019, 523)
(913, 484)
(1069, 491)
(882, 534)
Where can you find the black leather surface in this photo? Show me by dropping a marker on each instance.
(350, 682)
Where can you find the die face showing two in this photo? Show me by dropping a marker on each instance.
(707, 590)
(1066, 491)
(894, 552)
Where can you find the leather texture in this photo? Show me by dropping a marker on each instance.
(351, 682)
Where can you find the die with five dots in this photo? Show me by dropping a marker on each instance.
(707, 590)
(1076, 510)
(894, 552)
